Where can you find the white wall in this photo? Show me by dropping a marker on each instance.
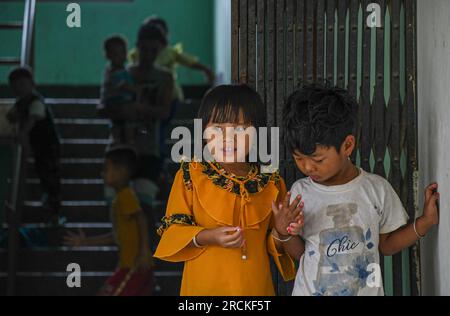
(222, 38)
(434, 136)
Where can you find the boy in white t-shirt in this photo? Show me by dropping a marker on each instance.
(345, 216)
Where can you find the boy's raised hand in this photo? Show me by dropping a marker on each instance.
(430, 209)
(288, 216)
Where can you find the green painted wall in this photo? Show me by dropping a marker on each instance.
(74, 56)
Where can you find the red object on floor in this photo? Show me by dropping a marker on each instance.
(127, 282)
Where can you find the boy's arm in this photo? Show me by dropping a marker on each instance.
(143, 260)
(405, 237)
(80, 239)
(295, 247)
(25, 129)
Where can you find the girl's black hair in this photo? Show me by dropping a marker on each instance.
(157, 21)
(151, 32)
(318, 114)
(223, 104)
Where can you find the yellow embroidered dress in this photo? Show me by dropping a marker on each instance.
(204, 196)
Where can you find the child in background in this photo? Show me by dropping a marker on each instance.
(350, 215)
(117, 87)
(134, 275)
(36, 128)
(170, 57)
(218, 219)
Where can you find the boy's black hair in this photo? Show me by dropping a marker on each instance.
(316, 115)
(156, 20)
(151, 32)
(114, 40)
(224, 103)
(20, 72)
(124, 157)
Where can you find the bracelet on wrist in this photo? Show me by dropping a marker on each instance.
(415, 230)
(195, 242)
(280, 239)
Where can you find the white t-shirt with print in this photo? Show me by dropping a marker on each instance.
(341, 233)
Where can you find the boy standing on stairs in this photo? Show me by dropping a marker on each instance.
(36, 130)
(134, 275)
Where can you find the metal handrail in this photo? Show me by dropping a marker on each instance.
(27, 33)
(21, 154)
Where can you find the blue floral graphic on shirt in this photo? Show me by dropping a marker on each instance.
(345, 254)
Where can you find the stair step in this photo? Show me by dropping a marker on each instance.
(54, 284)
(89, 258)
(74, 211)
(83, 148)
(9, 61)
(11, 25)
(83, 128)
(74, 108)
(47, 235)
(72, 189)
(74, 168)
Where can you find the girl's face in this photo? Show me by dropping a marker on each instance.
(230, 142)
(149, 51)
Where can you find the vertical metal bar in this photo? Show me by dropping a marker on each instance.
(320, 29)
(365, 102)
(342, 15)
(280, 53)
(271, 62)
(243, 41)
(251, 57)
(261, 49)
(379, 100)
(395, 177)
(27, 33)
(331, 10)
(280, 92)
(300, 42)
(235, 41)
(290, 77)
(353, 61)
(410, 7)
(310, 66)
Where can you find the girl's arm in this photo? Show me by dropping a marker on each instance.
(206, 70)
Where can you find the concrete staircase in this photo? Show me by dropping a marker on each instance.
(42, 269)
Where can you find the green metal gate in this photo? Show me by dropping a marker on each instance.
(278, 44)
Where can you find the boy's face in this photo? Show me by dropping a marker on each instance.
(117, 54)
(326, 164)
(114, 175)
(149, 51)
(22, 87)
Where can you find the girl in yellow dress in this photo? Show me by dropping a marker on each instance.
(219, 218)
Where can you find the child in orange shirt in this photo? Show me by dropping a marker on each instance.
(218, 219)
(134, 276)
